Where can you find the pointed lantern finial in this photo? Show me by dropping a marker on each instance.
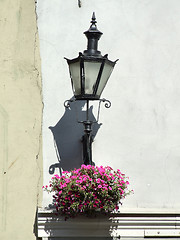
(93, 21)
(93, 35)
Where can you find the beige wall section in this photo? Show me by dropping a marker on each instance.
(20, 120)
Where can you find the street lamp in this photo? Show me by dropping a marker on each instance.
(89, 74)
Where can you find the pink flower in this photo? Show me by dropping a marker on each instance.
(67, 180)
(116, 207)
(57, 176)
(98, 180)
(73, 177)
(64, 185)
(108, 168)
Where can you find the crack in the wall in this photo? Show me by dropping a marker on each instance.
(36, 40)
(39, 85)
(34, 65)
(39, 168)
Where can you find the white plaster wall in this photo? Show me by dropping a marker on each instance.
(141, 131)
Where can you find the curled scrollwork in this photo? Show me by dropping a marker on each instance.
(67, 103)
(107, 103)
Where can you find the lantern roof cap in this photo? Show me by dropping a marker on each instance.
(93, 35)
(93, 28)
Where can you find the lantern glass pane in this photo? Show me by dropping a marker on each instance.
(104, 77)
(74, 69)
(91, 70)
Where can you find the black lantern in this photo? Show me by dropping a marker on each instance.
(90, 71)
(89, 74)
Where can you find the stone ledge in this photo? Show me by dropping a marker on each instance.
(124, 225)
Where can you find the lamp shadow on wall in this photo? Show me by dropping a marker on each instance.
(68, 134)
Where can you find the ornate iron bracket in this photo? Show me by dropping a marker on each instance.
(87, 138)
(107, 105)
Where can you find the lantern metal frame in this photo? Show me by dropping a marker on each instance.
(94, 56)
(82, 59)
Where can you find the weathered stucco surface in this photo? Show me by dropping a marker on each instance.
(141, 131)
(20, 120)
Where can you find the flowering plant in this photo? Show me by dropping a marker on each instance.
(87, 190)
